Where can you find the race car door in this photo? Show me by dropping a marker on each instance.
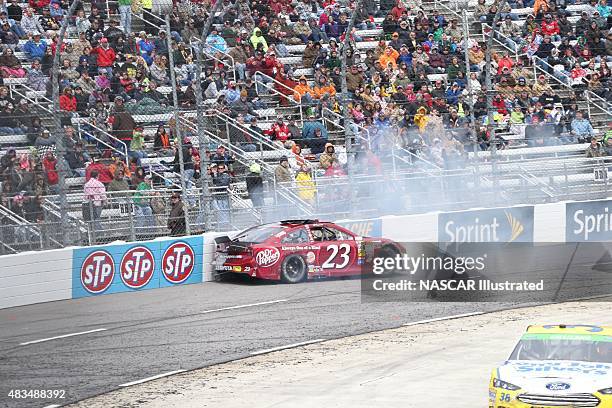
(336, 251)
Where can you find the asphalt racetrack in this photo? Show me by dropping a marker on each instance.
(94, 345)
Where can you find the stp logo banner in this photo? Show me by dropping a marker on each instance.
(97, 272)
(136, 266)
(178, 262)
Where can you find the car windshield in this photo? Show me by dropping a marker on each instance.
(259, 234)
(590, 348)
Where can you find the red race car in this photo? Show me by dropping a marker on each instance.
(295, 250)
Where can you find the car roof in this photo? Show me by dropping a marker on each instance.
(571, 329)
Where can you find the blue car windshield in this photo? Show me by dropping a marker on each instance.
(596, 349)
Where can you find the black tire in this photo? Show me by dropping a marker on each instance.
(293, 269)
(389, 251)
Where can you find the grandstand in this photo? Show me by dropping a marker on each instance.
(412, 144)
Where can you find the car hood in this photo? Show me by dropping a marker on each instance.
(556, 377)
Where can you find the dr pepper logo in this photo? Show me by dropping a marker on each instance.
(137, 266)
(97, 271)
(267, 257)
(178, 262)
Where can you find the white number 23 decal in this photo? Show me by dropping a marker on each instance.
(344, 249)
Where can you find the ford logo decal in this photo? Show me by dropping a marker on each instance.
(558, 386)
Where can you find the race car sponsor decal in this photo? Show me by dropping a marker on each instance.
(299, 248)
(267, 257)
(310, 257)
(561, 367)
(558, 386)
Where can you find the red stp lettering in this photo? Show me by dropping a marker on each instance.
(97, 271)
(137, 266)
(178, 262)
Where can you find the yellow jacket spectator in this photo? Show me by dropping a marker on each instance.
(305, 185)
(258, 38)
(421, 119)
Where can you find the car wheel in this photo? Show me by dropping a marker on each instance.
(294, 269)
(388, 252)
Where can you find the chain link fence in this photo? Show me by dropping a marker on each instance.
(130, 84)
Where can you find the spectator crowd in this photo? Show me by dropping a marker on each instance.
(411, 91)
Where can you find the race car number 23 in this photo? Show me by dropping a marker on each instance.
(344, 250)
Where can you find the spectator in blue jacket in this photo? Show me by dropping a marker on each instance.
(453, 93)
(35, 48)
(581, 127)
(309, 127)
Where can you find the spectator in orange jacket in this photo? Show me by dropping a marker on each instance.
(540, 7)
(323, 88)
(389, 57)
(303, 91)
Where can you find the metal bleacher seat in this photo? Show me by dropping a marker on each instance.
(12, 140)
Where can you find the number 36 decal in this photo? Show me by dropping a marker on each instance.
(344, 250)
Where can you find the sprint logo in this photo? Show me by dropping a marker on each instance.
(516, 227)
(496, 225)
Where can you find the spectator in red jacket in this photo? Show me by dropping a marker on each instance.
(284, 85)
(551, 27)
(50, 167)
(104, 174)
(279, 131)
(505, 61)
(68, 101)
(106, 57)
(39, 4)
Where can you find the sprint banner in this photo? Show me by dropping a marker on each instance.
(512, 224)
(588, 221)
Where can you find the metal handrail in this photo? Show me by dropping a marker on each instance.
(291, 100)
(41, 106)
(207, 51)
(590, 94)
(493, 32)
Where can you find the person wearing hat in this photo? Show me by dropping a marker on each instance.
(221, 203)
(240, 55)
(595, 149)
(283, 173)
(106, 57)
(303, 91)
(35, 48)
(146, 47)
(254, 185)
(29, 21)
(176, 219)
(305, 185)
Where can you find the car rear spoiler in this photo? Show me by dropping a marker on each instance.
(223, 243)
